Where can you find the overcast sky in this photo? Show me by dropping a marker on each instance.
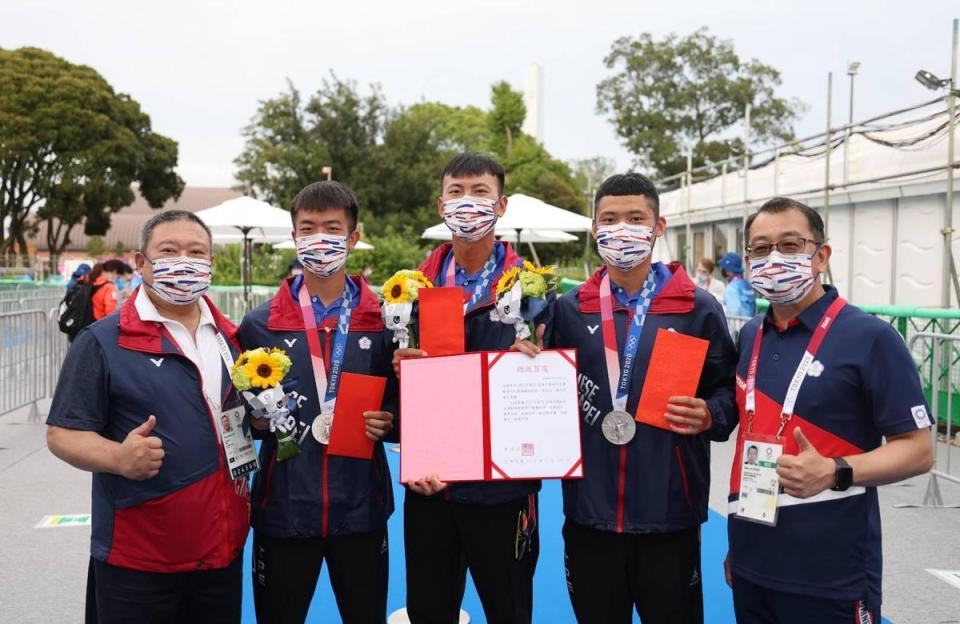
(199, 68)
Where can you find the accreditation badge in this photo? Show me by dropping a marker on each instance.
(759, 483)
(237, 444)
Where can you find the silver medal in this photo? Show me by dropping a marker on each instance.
(321, 427)
(618, 427)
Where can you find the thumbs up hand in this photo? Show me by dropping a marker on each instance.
(140, 455)
(808, 472)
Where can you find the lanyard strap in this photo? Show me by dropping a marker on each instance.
(483, 282)
(620, 380)
(224, 351)
(326, 390)
(793, 390)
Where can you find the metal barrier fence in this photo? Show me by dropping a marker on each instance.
(938, 359)
(31, 352)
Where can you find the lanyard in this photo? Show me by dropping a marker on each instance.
(790, 401)
(326, 391)
(620, 381)
(482, 282)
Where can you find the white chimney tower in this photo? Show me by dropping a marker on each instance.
(533, 100)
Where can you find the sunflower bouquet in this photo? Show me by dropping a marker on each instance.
(399, 293)
(264, 369)
(522, 295)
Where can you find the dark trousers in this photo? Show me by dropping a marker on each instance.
(499, 544)
(134, 597)
(754, 604)
(286, 569)
(610, 574)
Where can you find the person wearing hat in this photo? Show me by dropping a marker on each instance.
(739, 298)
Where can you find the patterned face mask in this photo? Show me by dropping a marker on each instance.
(470, 218)
(181, 280)
(624, 246)
(322, 254)
(782, 278)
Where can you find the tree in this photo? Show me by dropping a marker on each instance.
(282, 154)
(506, 117)
(683, 95)
(70, 149)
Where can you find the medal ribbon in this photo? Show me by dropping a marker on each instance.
(483, 282)
(620, 381)
(793, 390)
(326, 391)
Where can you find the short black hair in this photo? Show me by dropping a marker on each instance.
(324, 195)
(783, 204)
(630, 184)
(113, 266)
(168, 216)
(474, 164)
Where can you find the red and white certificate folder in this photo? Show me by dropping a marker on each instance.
(490, 416)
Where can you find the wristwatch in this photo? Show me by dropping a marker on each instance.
(844, 475)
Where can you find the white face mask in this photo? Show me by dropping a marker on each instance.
(782, 278)
(470, 218)
(181, 280)
(702, 278)
(322, 254)
(623, 245)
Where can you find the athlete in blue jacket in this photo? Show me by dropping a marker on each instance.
(632, 523)
(318, 507)
(489, 528)
(139, 403)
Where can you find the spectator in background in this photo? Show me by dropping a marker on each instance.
(703, 277)
(124, 282)
(79, 272)
(739, 297)
(105, 296)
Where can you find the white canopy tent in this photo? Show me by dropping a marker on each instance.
(246, 220)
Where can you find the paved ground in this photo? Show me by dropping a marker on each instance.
(43, 579)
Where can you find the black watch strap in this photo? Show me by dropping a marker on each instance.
(844, 475)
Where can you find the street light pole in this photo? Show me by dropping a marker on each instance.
(328, 171)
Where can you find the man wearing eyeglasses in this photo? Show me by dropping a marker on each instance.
(820, 384)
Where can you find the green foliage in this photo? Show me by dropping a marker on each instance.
(506, 117)
(70, 147)
(96, 246)
(269, 265)
(685, 94)
(393, 250)
(392, 156)
(589, 173)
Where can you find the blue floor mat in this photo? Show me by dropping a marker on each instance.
(550, 590)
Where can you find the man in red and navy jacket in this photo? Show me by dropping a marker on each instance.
(138, 401)
(632, 523)
(318, 507)
(825, 383)
(489, 528)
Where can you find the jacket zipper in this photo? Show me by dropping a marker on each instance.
(324, 491)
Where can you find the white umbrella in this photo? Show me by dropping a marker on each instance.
(249, 219)
(525, 212)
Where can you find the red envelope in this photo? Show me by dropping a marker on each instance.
(441, 321)
(674, 370)
(357, 394)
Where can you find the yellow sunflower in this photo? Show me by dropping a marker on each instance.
(421, 279)
(397, 290)
(263, 369)
(507, 280)
(529, 266)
